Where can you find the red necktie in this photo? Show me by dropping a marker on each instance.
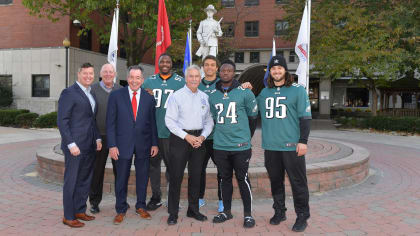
(134, 104)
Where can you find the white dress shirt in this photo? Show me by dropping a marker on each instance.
(137, 97)
(88, 94)
(188, 111)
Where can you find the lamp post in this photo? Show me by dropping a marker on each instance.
(66, 44)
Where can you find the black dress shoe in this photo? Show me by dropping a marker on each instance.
(278, 217)
(301, 223)
(94, 209)
(196, 215)
(153, 205)
(172, 219)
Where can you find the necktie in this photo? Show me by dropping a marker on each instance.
(134, 104)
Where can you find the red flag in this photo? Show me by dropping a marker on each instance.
(163, 34)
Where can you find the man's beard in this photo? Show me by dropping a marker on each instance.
(278, 80)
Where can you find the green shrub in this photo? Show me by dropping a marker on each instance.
(403, 124)
(48, 120)
(368, 110)
(8, 116)
(26, 119)
(348, 110)
(358, 110)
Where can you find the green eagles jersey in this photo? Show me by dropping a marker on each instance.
(162, 89)
(208, 87)
(230, 112)
(280, 109)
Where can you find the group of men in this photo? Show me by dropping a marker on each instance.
(183, 122)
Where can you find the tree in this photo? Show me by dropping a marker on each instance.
(138, 19)
(363, 39)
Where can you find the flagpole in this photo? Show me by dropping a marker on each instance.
(308, 2)
(116, 56)
(190, 42)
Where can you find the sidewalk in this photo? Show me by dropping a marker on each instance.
(387, 203)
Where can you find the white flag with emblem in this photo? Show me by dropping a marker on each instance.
(113, 41)
(302, 48)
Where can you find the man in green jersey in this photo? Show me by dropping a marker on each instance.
(234, 110)
(208, 85)
(161, 86)
(285, 116)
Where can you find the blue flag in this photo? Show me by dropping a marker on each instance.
(187, 55)
(267, 72)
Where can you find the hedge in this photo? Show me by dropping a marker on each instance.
(8, 116)
(383, 123)
(48, 120)
(26, 120)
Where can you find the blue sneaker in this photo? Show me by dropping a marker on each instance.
(221, 207)
(201, 202)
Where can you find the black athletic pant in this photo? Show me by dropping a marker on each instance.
(96, 187)
(238, 161)
(155, 168)
(209, 154)
(182, 152)
(276, 163)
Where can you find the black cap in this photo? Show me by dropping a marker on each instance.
(278, 61)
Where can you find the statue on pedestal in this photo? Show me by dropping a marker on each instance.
(207, 34)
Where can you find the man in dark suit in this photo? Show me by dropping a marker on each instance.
(131, 129)
(79, 139)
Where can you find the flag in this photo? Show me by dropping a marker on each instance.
(113, 41)
(163, 35)
(187, 54)
(267, 72)
(302, 48)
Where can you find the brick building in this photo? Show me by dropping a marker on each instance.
(253, 24)
(33, 59)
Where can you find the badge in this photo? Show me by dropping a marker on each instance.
(207, 86)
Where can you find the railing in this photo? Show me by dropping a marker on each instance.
(400, 112)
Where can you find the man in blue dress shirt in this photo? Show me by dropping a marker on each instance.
(190, 122)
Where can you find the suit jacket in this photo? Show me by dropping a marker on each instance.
(127, 134)
(76, 121)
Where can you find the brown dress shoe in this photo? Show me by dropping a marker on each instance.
(119, 218)
(143, 214)
(73, 223)
(83, 216)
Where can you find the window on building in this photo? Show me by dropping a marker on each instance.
(229, 29)
(40, 85)
(6, 81)
(254, 57)
(6, 2)
(292, 56)
(252, 2)
(239, 57)
(409, 100)
(357, 97)
(85, 40)
(251, 29)
(280, 27)
(228, 3)
(281, 1)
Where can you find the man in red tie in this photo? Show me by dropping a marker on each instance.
(131, 130)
